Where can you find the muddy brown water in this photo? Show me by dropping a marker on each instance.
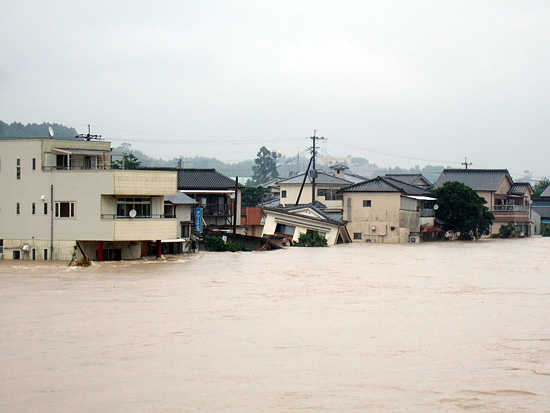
(371, 327)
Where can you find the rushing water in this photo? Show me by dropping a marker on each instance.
(428, 327)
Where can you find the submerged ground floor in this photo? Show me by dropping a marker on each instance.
(22, 249)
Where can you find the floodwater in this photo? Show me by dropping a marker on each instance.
(446, 326)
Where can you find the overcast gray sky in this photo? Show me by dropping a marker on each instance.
(397, 82)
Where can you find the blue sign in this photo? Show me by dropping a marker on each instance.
(198, 220)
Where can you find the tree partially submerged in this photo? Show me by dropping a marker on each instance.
(462, 211)
(311, 239)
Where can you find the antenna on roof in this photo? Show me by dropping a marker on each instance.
(89, 137)
(465, 163)
(50, 132)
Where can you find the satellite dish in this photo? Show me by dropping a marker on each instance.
(132, 213)
(436, 207)
(50, 131)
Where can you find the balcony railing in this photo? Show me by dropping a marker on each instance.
(153, 216)
(427, 213)
(510, 208)
(216, 210)
(78, 168)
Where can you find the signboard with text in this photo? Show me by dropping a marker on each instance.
(198, 219)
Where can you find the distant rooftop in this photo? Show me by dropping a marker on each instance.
(322, 178)
(385, 184)
(477, 179)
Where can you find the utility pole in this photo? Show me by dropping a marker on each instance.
(180, 163)
(465, 163)
(314, 170)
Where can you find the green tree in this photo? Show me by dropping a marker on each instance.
(130, 161)
(253, 195)
(265, 167)
(311, 239)
(462, 210)
(540, 187)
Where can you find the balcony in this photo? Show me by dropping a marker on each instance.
(427, 213)
(511, 208)
(511, 213)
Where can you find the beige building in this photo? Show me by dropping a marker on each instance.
(387, 210)
(509, 201)
(59, 195)
(291, 222)
(327, 189)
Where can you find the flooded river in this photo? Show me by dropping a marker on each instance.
(370, 327)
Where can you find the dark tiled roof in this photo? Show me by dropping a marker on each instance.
(520, 188)
(274, 202)
(477, 179)
(384, 184)
(204, 179)
(322, 178)
(546, 193)
(294, 211)
(355, 178)
(542, 210)
(180, 199)
(411, 179)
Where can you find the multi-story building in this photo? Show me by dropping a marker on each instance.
(61, 197)
(385, 209)
(509, 201)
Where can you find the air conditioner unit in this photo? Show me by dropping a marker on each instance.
(414, 238)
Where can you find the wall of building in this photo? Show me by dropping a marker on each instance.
(384, 221)
(293, 190)
(92, 191)
(272, 219)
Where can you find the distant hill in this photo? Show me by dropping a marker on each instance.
(34, 130)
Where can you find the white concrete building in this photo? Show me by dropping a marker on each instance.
(59, 193)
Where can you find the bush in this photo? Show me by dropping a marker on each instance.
(546, 230)
(507, 231)
(311, 239)
(213, 243)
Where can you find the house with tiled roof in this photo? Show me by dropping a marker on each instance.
(215, 193)
(387, 210)
(540, 211)
(327, 188)
(289, 223)
(412, 179)
(509, 201)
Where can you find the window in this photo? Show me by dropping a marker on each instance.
(33, 253)
(33, 208)
(16, 254)
(330, 194)
(185, 230)
(18, 172)
(357, 235)
(45, 254)
(1, 246)
(64, 209)
(45, 208)
(283, 194)
(366, 203)
(18, 208)
(34, 164)
(141, 207)
(285, 229)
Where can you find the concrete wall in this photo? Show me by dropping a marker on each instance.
(384, 221)
(293, 190)
(93, 192)
(272, 219)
